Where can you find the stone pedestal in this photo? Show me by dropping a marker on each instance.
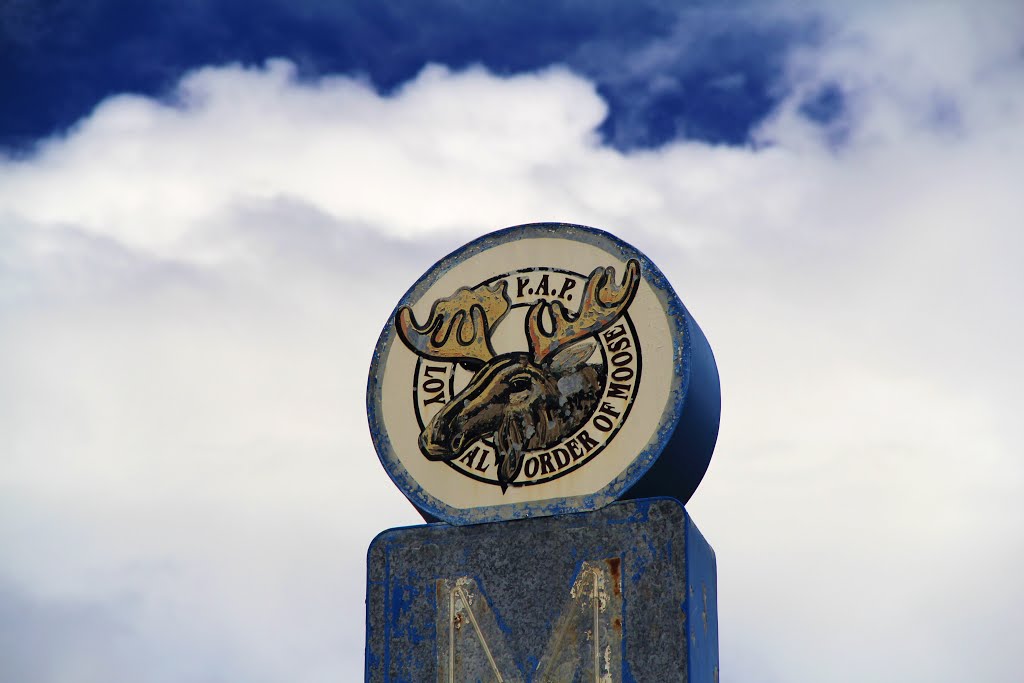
(626, 593)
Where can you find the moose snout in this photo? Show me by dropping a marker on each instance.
(434, 450)
(438, 441)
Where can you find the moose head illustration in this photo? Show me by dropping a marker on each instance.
(523, 400)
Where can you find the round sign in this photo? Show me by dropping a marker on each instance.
(542, 369)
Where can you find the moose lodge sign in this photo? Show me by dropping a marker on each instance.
(542, 371)
(539, 370)
(556, 414)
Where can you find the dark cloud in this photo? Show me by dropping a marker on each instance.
(667, 70)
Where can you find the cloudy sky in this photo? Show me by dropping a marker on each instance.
(209, 208)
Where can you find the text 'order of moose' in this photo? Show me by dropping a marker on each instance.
(524, 400)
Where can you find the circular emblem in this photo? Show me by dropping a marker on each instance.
(563, 395)
(538, 370)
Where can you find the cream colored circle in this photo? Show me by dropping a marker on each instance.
(655, 336)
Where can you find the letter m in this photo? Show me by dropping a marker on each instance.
(585, 644)
(616, 390)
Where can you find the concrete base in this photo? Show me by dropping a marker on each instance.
(627, 593)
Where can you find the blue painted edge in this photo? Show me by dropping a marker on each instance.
(687, 453)
(687, 335)
(701, 606)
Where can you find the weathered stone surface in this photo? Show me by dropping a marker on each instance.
(523, 599)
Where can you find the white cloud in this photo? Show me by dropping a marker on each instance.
(190, 293)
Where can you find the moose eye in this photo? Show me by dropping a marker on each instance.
(471, 365)
(521, 383)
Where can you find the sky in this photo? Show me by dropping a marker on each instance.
(208, 210)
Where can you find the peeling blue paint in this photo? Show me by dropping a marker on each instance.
(524, 569)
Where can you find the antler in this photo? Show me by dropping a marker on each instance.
(603, 302)
(459, 327)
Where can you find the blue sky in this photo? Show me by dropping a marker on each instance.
(667, 70)
(208, 209)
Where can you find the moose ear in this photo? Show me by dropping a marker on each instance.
(573, 356)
